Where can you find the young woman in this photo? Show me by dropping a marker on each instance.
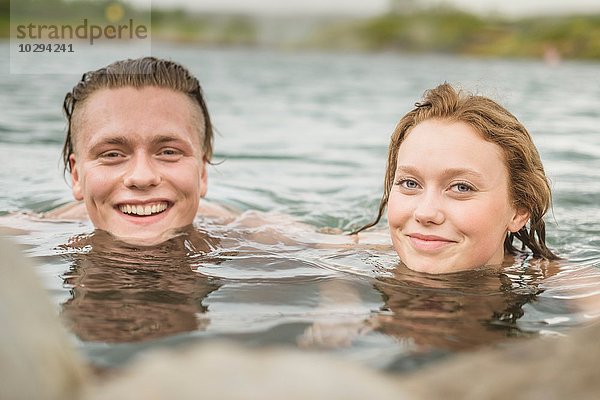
(463, 180)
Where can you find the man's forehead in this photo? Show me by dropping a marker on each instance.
(125, 108)
(149, 94)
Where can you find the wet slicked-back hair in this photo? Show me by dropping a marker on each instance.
(528, 185)
(137, 73)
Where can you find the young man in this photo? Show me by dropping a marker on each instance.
(138, 140)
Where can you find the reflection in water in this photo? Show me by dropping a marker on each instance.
(359, 304)
(326, 171)
(456, 311)
(124, 293)
(422, 317)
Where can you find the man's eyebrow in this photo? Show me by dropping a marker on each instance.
(111, 140)
(123, 140)
(160, 139)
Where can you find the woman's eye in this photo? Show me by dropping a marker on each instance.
(408, 184)
(462, 188)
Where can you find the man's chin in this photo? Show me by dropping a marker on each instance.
(149, 238)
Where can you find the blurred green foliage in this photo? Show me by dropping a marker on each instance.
(4, 18)
(171, 24)
(432, 30)
(61, 10)
(213, 29)
(405, 28)
(447, 30)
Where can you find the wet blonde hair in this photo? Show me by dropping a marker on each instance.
(529, 187)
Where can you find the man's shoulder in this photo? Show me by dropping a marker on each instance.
(215, 210)
(70, 211)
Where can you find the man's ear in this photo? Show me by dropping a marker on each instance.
(203, 178)
(75, 182)
(518, 220)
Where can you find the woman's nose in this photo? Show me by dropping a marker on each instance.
(142, 173)
(429, 209)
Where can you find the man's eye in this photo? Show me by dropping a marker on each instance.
(111, 154)
(169, 152)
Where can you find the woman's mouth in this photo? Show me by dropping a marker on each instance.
(429, 242)
(145, 209)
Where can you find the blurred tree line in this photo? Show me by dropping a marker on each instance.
(444, 29)
(169, 24)
(60, 12)
(204, 28)
(406, 27)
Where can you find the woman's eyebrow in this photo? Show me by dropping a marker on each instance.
(448, 172)
(406, 169)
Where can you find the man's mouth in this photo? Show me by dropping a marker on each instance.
(143, 210)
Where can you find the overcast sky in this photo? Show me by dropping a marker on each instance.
(362, 7)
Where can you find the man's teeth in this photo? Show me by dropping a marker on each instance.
(143, 210)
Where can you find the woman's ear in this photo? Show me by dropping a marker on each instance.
(75, 181)
(518, 220)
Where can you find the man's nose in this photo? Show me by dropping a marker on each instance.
(429, 209)
(142, 173)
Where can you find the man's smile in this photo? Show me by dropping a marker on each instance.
(144, 209)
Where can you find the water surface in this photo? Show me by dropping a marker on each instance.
(305, 135)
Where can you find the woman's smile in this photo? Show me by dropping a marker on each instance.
(428, 243)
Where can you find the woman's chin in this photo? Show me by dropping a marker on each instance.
(435, 268)
(440, 268)
(430, 269)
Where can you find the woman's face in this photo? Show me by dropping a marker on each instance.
(450, 207)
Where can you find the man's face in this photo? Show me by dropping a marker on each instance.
(138, 163)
